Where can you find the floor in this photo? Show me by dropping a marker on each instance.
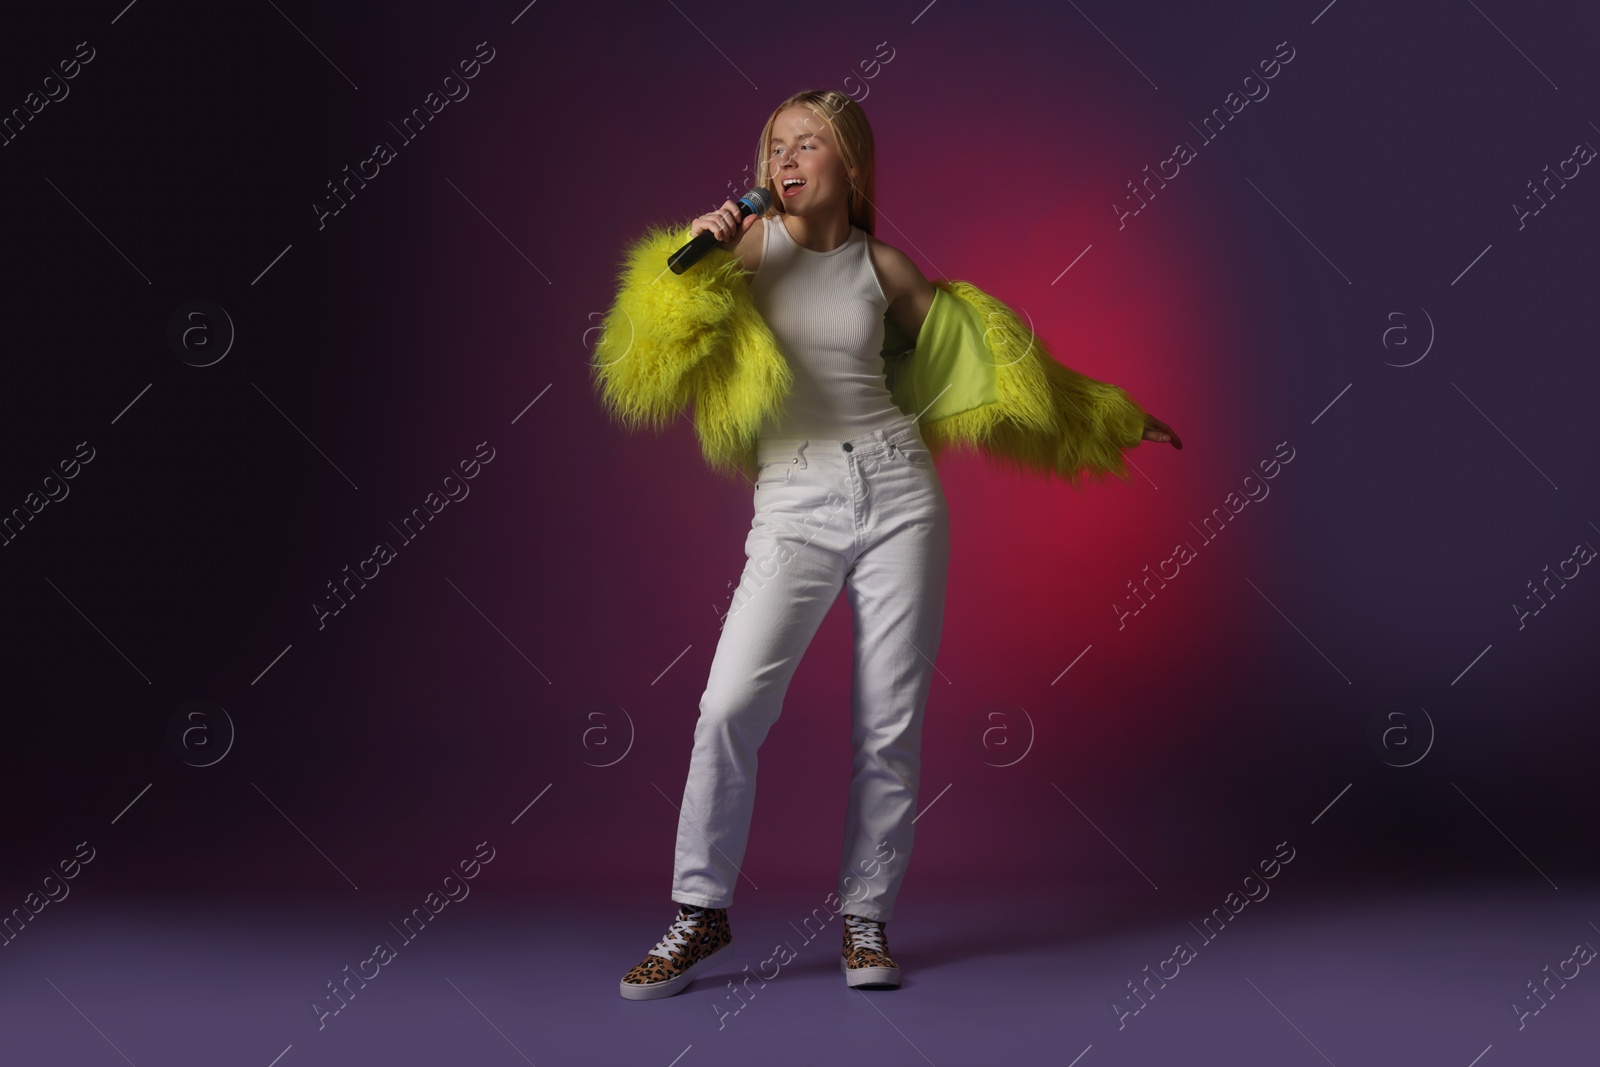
(1362, 977)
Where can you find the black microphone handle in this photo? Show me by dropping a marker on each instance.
(690, 254)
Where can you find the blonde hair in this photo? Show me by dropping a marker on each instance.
(851, 132)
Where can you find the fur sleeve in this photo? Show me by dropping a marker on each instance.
(660, 329)
(1044, 417)
(671, 340)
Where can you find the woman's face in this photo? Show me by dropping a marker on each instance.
(808, 173)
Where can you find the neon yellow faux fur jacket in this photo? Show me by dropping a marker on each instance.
(978, 378)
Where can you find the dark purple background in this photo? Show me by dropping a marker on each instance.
(458, 287)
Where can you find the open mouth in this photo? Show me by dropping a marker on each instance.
(791, 186)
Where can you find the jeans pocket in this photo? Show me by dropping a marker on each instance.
(916, 453)
(774, 473)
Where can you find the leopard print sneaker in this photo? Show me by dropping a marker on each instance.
(866, 962)
(696, 937)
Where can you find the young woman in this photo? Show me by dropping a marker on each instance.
(781, 340)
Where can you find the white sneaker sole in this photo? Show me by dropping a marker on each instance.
(885, 976)
(676, 984)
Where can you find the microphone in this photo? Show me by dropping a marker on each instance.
(754, 202)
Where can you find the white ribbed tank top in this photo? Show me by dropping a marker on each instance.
(826, 310)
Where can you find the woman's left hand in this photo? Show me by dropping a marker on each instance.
(1156, 430)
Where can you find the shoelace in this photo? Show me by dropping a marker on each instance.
(678, 936)
(865, 933)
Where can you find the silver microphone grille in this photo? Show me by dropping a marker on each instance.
(759, 200)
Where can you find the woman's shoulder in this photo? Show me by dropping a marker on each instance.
(895, 269)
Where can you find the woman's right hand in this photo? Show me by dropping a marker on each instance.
(725, 223)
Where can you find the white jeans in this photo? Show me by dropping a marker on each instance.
(867, 515)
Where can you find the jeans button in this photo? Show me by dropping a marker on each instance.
(848, 447)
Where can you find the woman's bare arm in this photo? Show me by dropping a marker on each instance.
(749, 247)
(910, 294)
